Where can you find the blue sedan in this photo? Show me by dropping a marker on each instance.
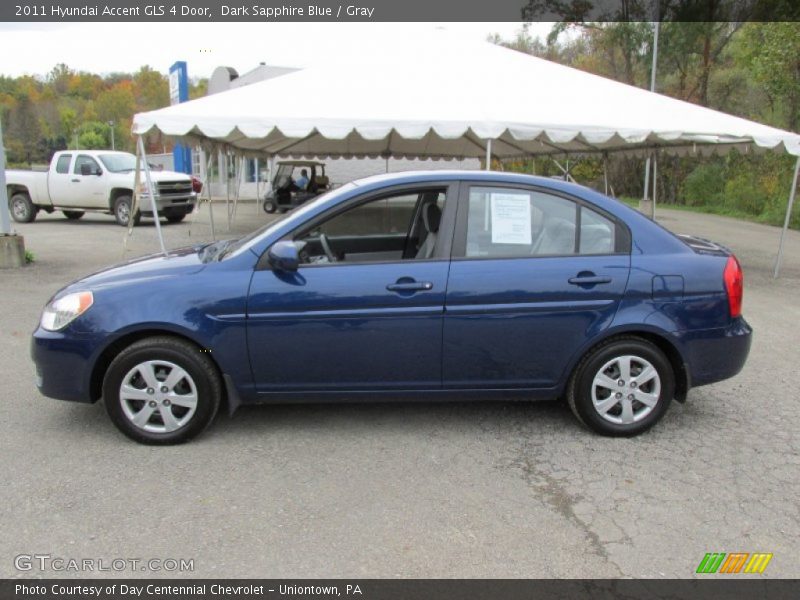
(441, 285)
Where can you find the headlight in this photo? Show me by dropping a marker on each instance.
(60, 313)
(144, 189)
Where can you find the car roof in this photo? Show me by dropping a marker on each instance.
(465, 175)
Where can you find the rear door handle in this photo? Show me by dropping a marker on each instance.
(410, 286)
(589, 280)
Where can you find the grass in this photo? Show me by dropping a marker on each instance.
(29, 257)
(712, 210)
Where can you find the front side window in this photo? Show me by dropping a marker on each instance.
(506, 222)
(83, 159)
(62, 166)
(401, 226)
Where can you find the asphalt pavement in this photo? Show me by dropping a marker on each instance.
(440, 490)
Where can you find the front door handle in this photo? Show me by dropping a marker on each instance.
(410, 286)
(588, 280)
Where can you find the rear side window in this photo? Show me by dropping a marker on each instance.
(506, 222)
(62, 166)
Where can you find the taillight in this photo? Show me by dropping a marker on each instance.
(734, 285)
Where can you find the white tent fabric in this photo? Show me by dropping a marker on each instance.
(446, 99)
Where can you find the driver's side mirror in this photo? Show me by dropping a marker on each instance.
(284, 255)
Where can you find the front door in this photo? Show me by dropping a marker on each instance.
(533, 276)
(364, 311)
(84, 191)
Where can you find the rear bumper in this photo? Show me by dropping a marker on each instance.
(716, 354)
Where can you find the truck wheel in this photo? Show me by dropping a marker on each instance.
(122, 211)
(270, 207)
(73, 215)
(21, 208)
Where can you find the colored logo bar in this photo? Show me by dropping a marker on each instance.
(735, 562)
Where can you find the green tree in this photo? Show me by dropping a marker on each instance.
(772, 52)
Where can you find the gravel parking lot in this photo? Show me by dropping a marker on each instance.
(405, 490)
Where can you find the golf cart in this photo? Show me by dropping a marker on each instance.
(285, 195)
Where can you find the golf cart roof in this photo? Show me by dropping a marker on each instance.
(301, 163)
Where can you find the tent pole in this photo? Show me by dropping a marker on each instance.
(647, 184)
(205, 170)
(137, 178)
(489, 154)
(228, 189)
(153, 193)
(605, 171)
(655, 182)
(210, 202)
(788, 218)
(238, 186)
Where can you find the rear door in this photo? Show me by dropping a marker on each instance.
(533, 275)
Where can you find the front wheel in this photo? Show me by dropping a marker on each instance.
(161, 391)
(21, 208)
(270, 206)
(622, 387)
(122, 211)
(73, 215)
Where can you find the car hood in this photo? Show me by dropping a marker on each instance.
(182, 261)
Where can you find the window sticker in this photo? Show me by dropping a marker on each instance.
(511, 219)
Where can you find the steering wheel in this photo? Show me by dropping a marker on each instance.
(326, 246)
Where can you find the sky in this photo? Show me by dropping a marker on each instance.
(35, 48)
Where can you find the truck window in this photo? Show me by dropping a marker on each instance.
(62, 166)
(83, 159)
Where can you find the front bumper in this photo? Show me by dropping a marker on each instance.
(63, 364)
(183, 204)
(716, 354)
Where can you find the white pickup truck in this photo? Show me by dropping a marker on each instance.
(97, 180)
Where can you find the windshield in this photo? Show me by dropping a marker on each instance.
(282, 176)
(118, 163)
(247, 240)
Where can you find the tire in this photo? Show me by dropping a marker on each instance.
(270, 206)
(600, 402)
(21, 208)
(122, 211)
(142, 410)
(73, 215)
(175, 217)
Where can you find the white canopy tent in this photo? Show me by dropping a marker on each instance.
(443, 99)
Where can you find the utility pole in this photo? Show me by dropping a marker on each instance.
(111, 124)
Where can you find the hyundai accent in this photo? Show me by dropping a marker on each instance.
(427, 285)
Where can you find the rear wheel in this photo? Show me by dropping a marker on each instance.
(162, 391)
(622, 387)
(21, 208)
(73, 215)
(122, 211)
